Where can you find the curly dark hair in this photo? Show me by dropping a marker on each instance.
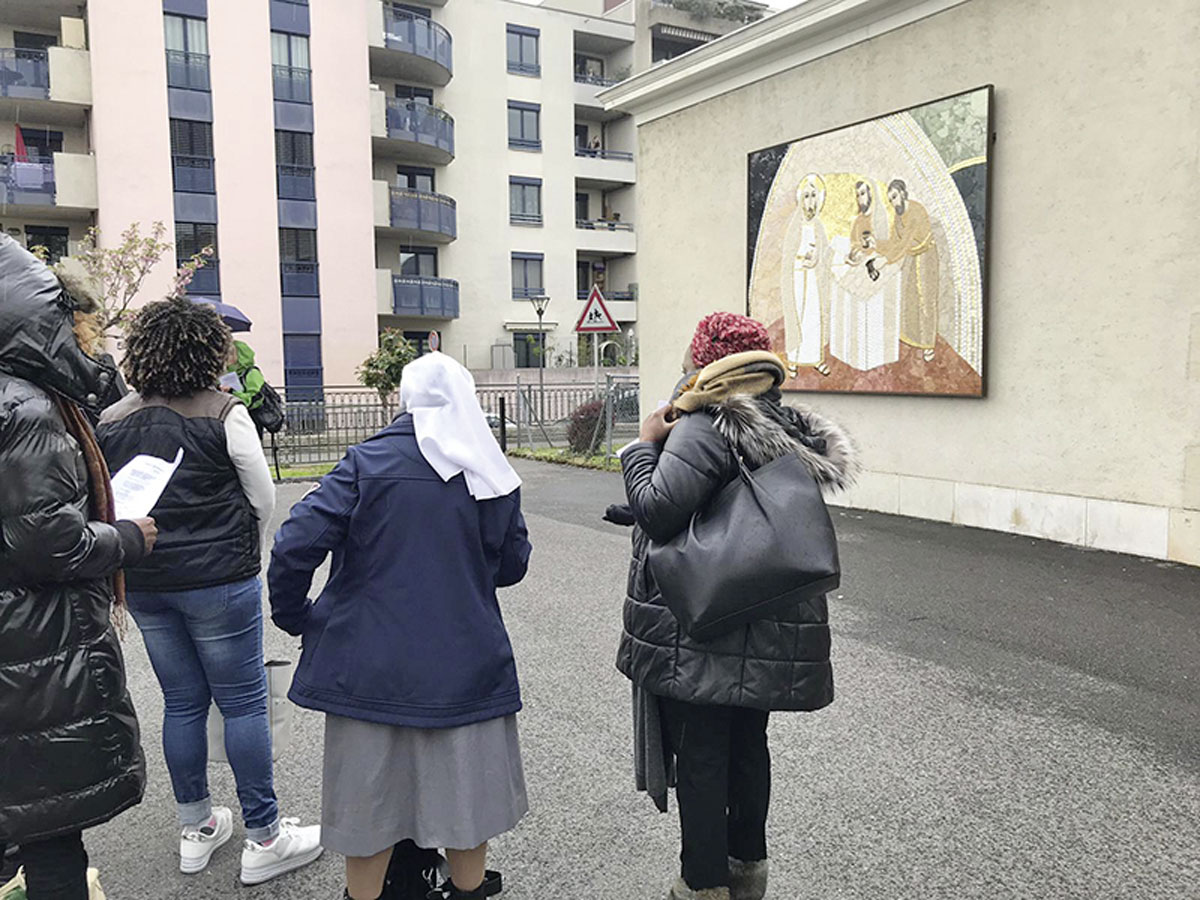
(176, 348)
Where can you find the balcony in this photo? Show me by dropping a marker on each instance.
(296, 182)
(587, 89)
(187, 70)
(416, 296)
(605, 236)
(62, 186)
(410, 129)
(412, 215)
(53, 86)
(292, 84)
(604, 170)
(299, 279)
(409, 47)
(194, 174)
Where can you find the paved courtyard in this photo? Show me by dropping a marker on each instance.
(1015, 719)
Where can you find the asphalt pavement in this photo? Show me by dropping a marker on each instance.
(1015, 719)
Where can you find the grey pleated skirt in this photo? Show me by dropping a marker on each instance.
(441, 787)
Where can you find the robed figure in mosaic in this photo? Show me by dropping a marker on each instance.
(910, 244)
(807, 315)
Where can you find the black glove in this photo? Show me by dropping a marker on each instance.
(619, 514)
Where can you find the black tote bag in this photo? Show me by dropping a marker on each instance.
(763, 544)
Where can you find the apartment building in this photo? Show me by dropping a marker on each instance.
(355, 164)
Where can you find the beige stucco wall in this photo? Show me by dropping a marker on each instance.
(1093, 269)
(244, 147)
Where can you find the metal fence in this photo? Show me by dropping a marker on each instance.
(321, 423)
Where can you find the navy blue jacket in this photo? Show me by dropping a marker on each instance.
(408, 630)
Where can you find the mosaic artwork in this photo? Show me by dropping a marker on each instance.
(868, 251)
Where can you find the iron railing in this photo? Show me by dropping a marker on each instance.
(608, 295)
(424, 211)
(411, 33)
(194, 174)
(320, 423)
(623, 155)
(598, 80)
(207, 279)
(299, 279)
(24, 74)
(603, 224)
(517, 218)
(28, 181)
(420, 123)
(423, 296)
(293, 84)
(295, 182)
(186, 69)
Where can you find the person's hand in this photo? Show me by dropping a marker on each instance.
(658, 425)
(225, 389)
(149, 530)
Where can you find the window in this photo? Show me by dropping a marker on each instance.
(414, 179)
(53, 239)
(525, 201)
(419, 94)
(289, 53)
(190, 138)
(589, 68)
(41, 143)
(527, 347)
(582, 208)
(524, 126)
(297, 245)
(581, 136)
(192, 237)
(186, 35)
(583, 278)
(294, 148)
(526, 275)
(27, 40)
(419, 262)
(523, 50)
(420, 340)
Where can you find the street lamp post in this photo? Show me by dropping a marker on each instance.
(540, 303)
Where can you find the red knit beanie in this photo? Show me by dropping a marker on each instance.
(723, 334)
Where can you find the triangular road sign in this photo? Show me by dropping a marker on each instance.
(596, 318)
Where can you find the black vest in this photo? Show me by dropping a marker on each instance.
(207, 530)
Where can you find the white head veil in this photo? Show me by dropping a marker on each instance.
(452, 432)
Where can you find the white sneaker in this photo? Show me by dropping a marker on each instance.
(198, 843)
(292, 848)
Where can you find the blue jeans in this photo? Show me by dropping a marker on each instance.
(207, 645)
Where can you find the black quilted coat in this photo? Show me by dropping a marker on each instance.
(772, 664)
(69, 750)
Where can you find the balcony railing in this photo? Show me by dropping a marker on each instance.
(424, 211)
(299, 279)
(608, 295)
(25, 74)
(187, 70)
(194, 174)
(423, 296)
(421, 123)
(598, 80)
(524, 292)
(603, 225)
(28, 181)
(423, 37)
(524, 68)
(296, 182)
(293, 84)
(207, 280)
(517, 218)
(623, 155)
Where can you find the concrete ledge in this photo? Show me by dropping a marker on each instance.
(1136, 528)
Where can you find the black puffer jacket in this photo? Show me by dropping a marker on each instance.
(774, 664)
(69, 750)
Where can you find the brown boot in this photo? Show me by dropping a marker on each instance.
(681, 891)
(747, 880)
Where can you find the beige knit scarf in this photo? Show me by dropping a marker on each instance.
(749, 374)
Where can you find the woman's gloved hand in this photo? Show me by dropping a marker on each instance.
(619, 514)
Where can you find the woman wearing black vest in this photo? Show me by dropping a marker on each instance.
(198, 598)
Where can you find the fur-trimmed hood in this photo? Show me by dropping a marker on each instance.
(756, 427)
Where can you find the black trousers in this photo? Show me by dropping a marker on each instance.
(724, 787)
(56, 868)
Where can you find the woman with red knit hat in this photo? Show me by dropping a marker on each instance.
(704, 705)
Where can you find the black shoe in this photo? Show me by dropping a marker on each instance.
(449, 891)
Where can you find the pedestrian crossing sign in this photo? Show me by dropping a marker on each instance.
(596, 318)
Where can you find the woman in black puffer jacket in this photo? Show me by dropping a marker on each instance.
(714, 697)
(70, 757)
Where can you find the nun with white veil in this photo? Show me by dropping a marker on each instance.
(405, 649)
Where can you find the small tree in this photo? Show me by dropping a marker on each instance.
(118, 272)
(383, 368)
